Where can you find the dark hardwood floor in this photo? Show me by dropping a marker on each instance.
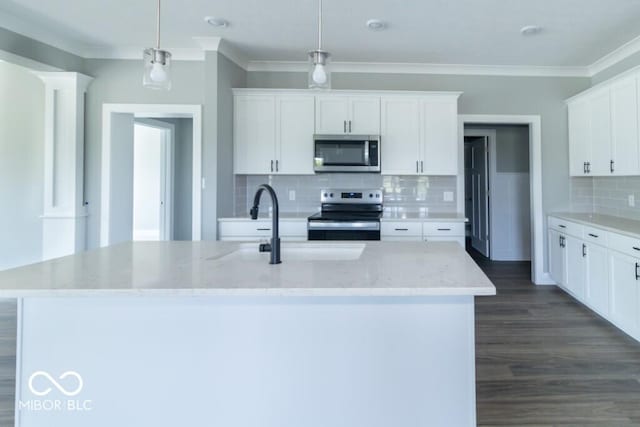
(543, 359)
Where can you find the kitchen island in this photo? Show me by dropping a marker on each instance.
(208, 333)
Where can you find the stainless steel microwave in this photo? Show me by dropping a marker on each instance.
(346, 153)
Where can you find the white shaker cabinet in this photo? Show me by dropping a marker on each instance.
(625, 155)
(273, 134)
(597, 278)
(419, 135)
(254, 130)
(600, 118)
(557, 260)
(348, 114)
(575, 274)
(579, 137)
(625, 304)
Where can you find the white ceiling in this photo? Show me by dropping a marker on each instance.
(576, 32)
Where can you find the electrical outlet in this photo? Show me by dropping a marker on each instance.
(632, 200)
(292, 195)
(448, 196)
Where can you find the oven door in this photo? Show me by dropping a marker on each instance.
(345, 154)
(343, 230)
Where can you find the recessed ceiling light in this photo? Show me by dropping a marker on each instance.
(530, 30)
(216, 22)
(376, 25)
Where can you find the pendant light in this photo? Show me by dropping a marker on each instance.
(319, 74)
(157, 63)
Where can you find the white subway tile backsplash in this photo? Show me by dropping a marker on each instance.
(606, 195)
(411, 192)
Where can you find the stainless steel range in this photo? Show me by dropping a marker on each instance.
(347, 214)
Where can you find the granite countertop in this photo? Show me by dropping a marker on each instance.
(615, 224)
(231, 268)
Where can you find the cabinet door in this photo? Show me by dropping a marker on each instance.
(579, 137)
(364, 115)
(400, 136)
(575, 267)
(556, 257)
(597, 278)
(624, 128)
(332, 114)
(600, 117)
(439, 137)
(624, 292)
(295, 124)
(254, 134)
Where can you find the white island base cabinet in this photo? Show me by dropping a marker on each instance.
(247, 361)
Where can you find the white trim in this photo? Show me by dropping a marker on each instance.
(535, 170)
(133, 52)
(612, 58)
(218, 44)
(26, 63)
(425, 68)
(152, 111)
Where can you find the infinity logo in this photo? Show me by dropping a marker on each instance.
(55, 383)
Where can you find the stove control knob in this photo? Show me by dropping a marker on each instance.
(326, 195)
(370, 194)
(331, 195)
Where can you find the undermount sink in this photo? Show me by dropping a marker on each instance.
(299, 252)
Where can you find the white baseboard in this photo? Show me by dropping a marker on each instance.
(545, 280)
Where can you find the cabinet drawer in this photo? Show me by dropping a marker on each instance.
(293, 228)
(443, 229)
(400, 228)
(595, 235)
(625, 244)
(458, 239)
(261, 228)
(565, 226)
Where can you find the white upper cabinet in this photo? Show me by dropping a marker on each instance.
(603, 130)
(254, 131)
(624, 126)
(400, 135)
(343, 114)
(294, 131)
(440, 137)
(419, 135)
(273, 134)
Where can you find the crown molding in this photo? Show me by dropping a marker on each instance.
(418, 68)
(218, 44)
(618, 55)
(132, 52)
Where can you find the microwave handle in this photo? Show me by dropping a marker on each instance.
(366, 153)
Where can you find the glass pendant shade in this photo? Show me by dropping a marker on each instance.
(157, 69)
(319, 72)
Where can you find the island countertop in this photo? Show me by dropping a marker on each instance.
(237, 269)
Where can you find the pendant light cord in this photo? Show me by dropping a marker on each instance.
(158, 27)
(320, 25)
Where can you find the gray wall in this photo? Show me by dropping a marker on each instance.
(229, 76)
(542, 96)
(21, 166)
(20, 45)
(120, 81)
(512, 147)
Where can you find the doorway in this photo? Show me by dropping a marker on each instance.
(177, 203)
(476, 189)
(153, 158)
(497, 187)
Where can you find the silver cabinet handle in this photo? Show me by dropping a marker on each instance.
(595, 236)
(562, 226)
(349, 126)
(271, 165)
(584, 167)
(263, 229)
(584, 250)
(421, 166)
(402, 229)
(588, 167)
(611, 168)
(344, 123)
(277, 167)
(444, 229)
(417, 170)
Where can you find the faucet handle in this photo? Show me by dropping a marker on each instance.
(264, 247)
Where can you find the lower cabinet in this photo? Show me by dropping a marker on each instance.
(428, 231)
(625, 302)
(605, 276)
(249, 230)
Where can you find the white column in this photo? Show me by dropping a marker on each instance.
(64, 216)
